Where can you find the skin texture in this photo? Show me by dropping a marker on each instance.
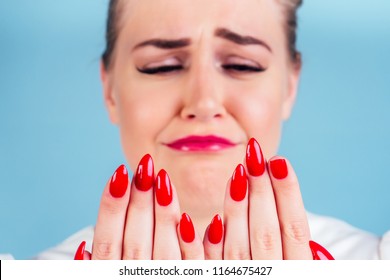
(202, 97)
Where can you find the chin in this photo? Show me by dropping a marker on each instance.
(201, 180)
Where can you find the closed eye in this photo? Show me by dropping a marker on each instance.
(160, 69)
(172, 68)
(242, 68)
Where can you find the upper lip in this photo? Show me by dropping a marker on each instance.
(201, 139)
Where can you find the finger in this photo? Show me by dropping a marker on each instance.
(319, 252)
(167, 215)
(190, 244)
(82, 254)
(79, 255)
(87, 256)
(138, 237)
(264, 230)
(292, 215)
(236, 245)
(213, 239)
(108, 237)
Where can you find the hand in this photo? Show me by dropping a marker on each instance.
(264, 215)
(133, 223)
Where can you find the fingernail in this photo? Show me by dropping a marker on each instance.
(319, 252)
(215, 230)
(163, 188)
(187, 231)
(79, 256)
(254, 158)
(144, 176)
(238, 184)
(279, 168)
(119, 182)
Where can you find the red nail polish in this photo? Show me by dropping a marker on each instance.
(144, 176)
(215, 230)
(79, 256)
(238, 184)
(254, 158)
(119, 182)
(279, 168)
(319, 252)
(187, 231)
(163, 188)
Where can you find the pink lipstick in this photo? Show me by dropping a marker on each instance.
(207, 143)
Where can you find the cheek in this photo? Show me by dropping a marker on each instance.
(262, 105)
(141, 118)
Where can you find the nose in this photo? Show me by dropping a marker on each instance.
(203, 96)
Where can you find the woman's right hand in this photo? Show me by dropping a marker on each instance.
(141, 220)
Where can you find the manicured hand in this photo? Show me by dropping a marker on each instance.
(264, 215)
(141, 219)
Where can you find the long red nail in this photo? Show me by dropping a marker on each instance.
(163, 188)
(187, 231)
(319, 252)
(279, 168)
(79, 256)
(215, 230)
(254, 158)
(144, 176)
(238, 184)
(119, 181)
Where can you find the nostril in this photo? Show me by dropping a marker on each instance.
(194, 116)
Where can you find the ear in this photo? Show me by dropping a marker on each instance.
(292, 91)
(108, 94)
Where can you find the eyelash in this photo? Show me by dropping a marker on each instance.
(160, 69)
(229, 67)
(243, 68)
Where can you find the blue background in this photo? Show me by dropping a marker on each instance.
(58, 148)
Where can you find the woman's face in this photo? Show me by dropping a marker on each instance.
(192, 81)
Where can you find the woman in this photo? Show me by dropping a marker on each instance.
(199, 91)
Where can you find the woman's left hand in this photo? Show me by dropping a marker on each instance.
(264, 215)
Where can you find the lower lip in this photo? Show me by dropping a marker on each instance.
(200, 147)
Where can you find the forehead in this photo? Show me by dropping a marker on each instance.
(191, 18)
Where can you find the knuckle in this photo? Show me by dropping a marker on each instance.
(296, 232)
(265, 240)
(103, 250)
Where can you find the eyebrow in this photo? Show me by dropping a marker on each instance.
(165, 44)
(219, 32)
(240, 39)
